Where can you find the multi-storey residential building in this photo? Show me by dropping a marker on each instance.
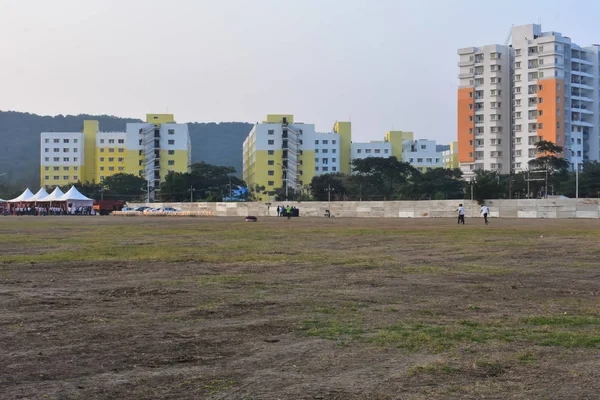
(280, 152)
(422, 154)
(149, 149)
(450, 156)
(553, 94)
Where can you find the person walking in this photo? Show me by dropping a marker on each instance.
(461, 214)
(485, 211)
(278, 211)
(288, 211)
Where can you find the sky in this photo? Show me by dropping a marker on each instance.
(382, 64)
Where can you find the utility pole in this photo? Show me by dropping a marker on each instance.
(329, 190)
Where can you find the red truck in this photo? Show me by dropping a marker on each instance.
(105, 207)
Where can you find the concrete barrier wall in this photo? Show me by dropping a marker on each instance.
(551, 208)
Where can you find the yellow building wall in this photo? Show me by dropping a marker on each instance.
(160, 119)
(278, 118)
(307, 167)
(344, 129)
(70, 171)
(90, 128)
(453, 163)
(105, 167)
(395, 138)
(180, 162)
(132, 162)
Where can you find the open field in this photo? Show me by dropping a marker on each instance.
(149, 308)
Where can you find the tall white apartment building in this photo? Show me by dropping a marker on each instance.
(552, 93)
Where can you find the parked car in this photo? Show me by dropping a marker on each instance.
(127, 209)
(170, 209)
(141, 209)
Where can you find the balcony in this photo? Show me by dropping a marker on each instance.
(465, 63)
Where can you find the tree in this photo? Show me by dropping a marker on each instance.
(320, 185)
(386, 177)
(439, 184)
(124, 187)
(548, 157)
(489, 185)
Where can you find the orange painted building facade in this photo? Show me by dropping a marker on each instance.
(466, 125)
(550, 111)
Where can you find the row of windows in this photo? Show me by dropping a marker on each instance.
(57, 150)
(113, 168)
(112, 159)
(112, 150)
(326, 160)
(172, 142)
(65, 177)
(326, 142)
(420, 160)
(369, 151)
(64, 168)
(65, 159)
(272, 183)
(112, 141)
(58, 140)
(326, 169)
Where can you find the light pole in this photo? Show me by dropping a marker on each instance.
(286, 180)
(576, 175)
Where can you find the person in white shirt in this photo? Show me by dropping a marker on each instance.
(461, 214)
(485, 211)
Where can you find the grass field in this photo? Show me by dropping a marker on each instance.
(170, 308)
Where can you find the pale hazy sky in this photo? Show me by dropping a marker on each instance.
(385, 64)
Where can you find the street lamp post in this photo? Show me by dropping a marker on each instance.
(286, 180)
(576, 175)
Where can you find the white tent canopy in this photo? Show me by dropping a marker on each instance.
(24, 197)
(75, 198)
(41, 195)
(55, 195)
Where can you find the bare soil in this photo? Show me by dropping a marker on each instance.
(300, 309)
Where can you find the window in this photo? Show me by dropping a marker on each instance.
(111, 168)
(171, 131)
(121, 150)
(359, 151)
(102, 149)
(271, 131)
(171, 152)
(75, 168)
(65, 140)
(56, 159)
(65, 168)
(271, 142)
(270, 162)
(423, 147)
(325, 169)
(111, 159)
(56, 168)
(65, 150)
(429, 160)
(368, 151)
(471, 94)
(316, 150)
(47, 168)
(56, 140)
(46, 150)
(140, 142)
(101, 168)
(46, 177)
(56, 150)
(377, 151)
(333, 141)
(470, 106)
(419, 160)
(75, 150)
(470, 118)
(386, 151)
(66, 159)
(46, 140)
(56, 177)
(101, 140)
(111, 141)
(66, 178)
(325, 160)
(325, 151)
(121, 159)
(270, 183)
(111, 150)
(333, 169)
(121, 141)
(540, 112)
(325, 141)
(316, 142)
(334, 150)
(171, 142)
(271, 152)
(101, 159)
(171, 162)
(121, 168)
(271, 173)
(558, 125)
(316, 168)
(334, 160)
(75, 140)
(540, 126)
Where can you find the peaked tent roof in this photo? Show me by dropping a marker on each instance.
(25, 196)
(54, 195)
(40, 195)
(73, 194)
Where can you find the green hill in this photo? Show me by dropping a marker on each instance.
(219, 144)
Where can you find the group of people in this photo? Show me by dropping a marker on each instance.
(287, 211)
(461, 214)
(44, 211)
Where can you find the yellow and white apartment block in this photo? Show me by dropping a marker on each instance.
(150, 149)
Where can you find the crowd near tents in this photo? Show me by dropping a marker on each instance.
(55, 203)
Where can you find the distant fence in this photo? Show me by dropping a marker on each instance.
(540, 208)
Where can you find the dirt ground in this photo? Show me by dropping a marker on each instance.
(186, 308)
